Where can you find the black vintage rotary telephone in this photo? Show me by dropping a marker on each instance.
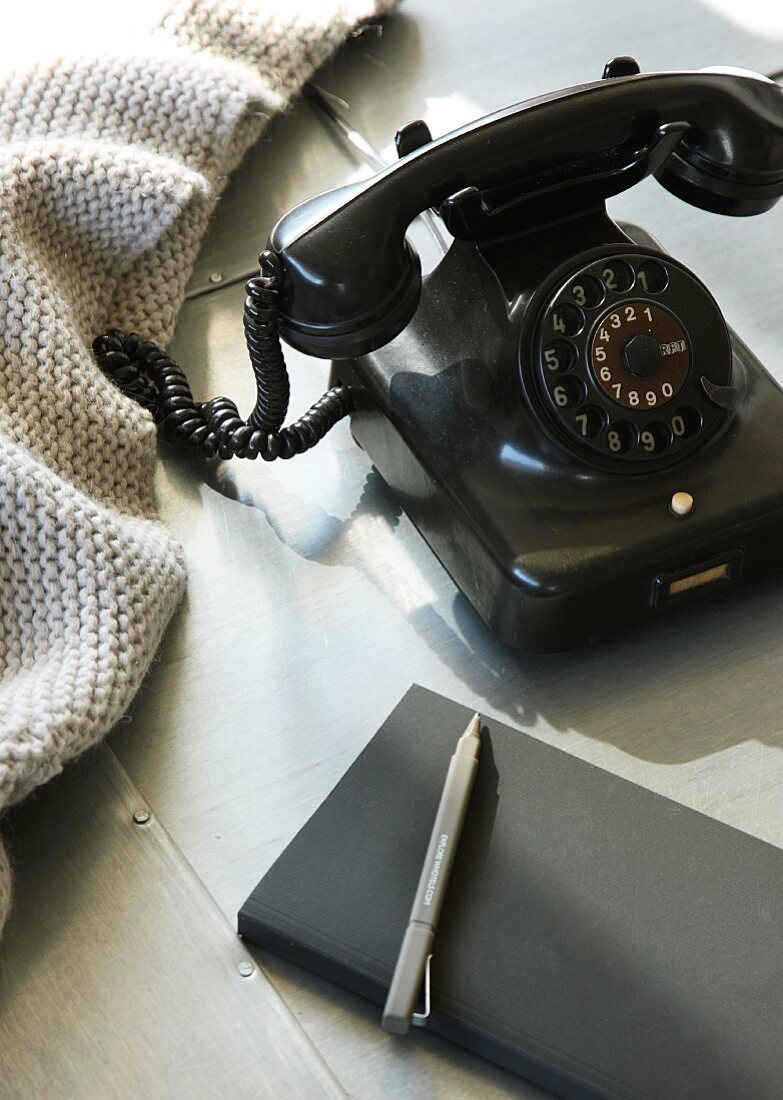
(560, 406)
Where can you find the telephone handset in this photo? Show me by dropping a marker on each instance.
(560, 405)
(713, 138)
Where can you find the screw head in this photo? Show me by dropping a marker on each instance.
(245, 969)
(141, 817)
(642, 356)
(216, 277)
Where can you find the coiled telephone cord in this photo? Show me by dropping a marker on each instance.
(151, 377)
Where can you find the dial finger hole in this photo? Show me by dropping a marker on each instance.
(654, 438)
(569, 392)
(588, 292)
(685, 422)
(652, 277)
(559, 355)
(589, 421)
(566, 320)
(621, 437)
(617, 276)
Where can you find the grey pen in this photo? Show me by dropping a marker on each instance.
(416, 949)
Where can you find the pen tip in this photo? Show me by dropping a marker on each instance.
(473, 730)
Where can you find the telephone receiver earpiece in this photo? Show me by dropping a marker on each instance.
(351, 280)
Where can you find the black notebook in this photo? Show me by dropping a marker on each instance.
(596, 938)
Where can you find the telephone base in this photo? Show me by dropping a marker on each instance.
(551, 550)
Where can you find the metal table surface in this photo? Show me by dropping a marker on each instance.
(313, 603)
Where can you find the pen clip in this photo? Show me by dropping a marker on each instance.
(418, 1018)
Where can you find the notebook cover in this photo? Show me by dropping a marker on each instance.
(597, 938)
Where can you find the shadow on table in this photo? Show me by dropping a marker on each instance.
(682, 688)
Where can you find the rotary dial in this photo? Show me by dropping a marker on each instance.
(621, 354)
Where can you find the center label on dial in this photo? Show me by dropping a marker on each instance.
(640, 355)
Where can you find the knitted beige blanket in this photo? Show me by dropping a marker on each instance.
(109, 166)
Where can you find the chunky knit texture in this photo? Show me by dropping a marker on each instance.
(109, 168)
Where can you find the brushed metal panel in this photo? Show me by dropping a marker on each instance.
(118, 973)
(313, 603)
(295, 158)
(442, 60)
